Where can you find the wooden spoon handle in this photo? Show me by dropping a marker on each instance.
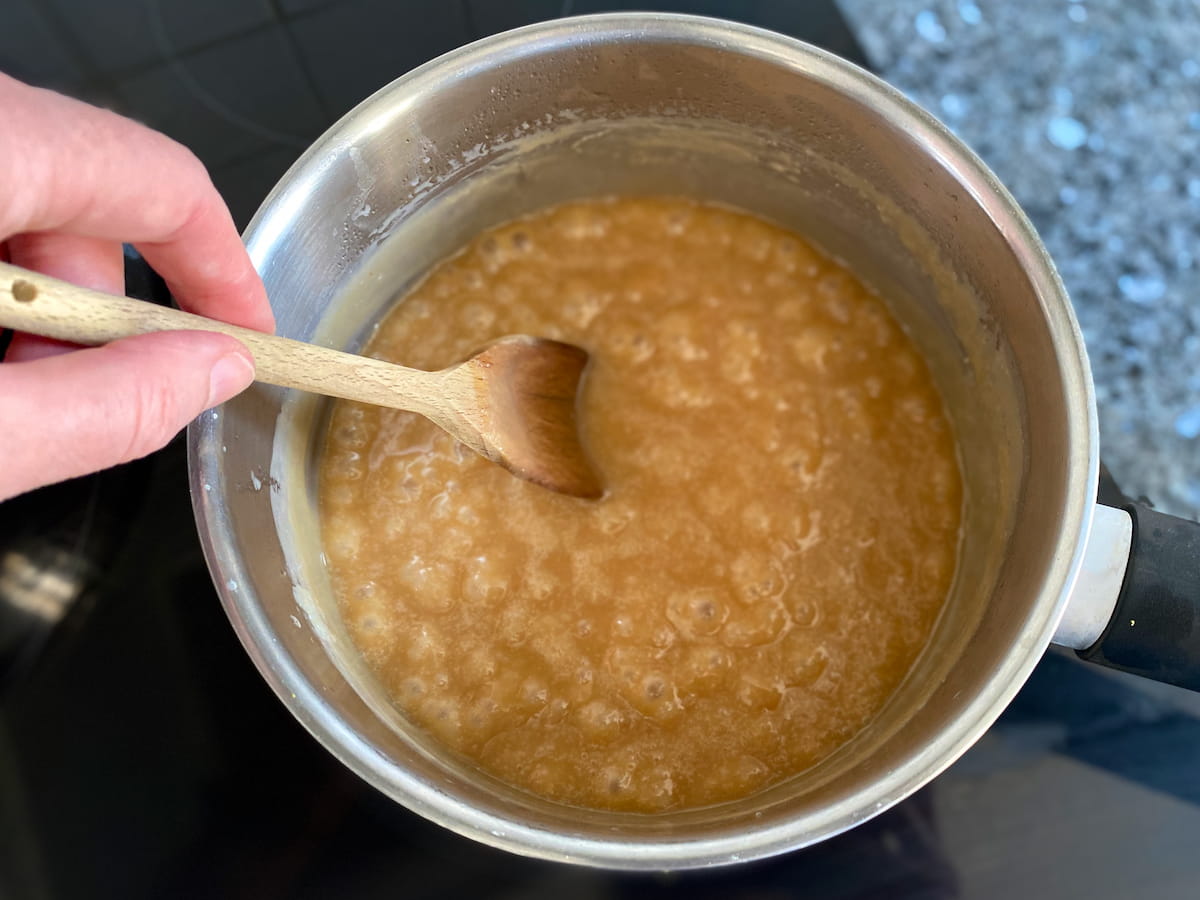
(39, 304)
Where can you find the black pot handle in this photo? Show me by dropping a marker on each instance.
(1155, 627)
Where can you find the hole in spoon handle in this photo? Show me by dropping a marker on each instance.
(24, 291)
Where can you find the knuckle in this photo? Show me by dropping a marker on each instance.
(168, 216)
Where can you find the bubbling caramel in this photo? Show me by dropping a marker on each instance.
(779, 531)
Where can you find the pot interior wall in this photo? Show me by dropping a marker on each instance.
(363, 217)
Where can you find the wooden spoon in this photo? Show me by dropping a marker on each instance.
(513, 402)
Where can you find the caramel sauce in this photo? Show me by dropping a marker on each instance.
(778, 535)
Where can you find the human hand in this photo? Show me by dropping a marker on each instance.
(76, 182)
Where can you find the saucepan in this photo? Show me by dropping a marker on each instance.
(649, 103)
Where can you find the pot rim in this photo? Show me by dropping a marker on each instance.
(306, 700)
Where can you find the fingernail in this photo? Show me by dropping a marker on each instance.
(231, 375)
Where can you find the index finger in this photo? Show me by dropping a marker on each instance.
(66, 166)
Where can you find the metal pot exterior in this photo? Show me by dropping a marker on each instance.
(639, 103)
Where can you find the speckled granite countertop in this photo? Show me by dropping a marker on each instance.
(1090, 113)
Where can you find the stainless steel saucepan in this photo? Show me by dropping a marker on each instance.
(681, 105)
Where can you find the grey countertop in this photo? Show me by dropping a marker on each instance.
(1090, 113)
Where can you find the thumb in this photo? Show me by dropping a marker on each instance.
(79, 412)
